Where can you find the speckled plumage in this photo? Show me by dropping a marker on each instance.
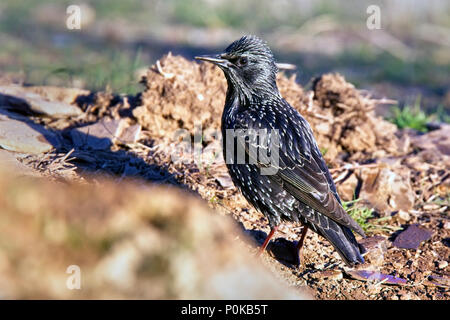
(302, 189)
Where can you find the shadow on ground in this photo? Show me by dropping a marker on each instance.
(89, 162)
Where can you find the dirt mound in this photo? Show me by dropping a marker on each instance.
(180, 93)
(351, 122)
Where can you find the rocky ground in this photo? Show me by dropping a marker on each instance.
(70, 136)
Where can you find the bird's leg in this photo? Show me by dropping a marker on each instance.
(266, 242)
(299, 248)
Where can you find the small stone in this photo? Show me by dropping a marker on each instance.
(404, 215)
(328, 274)
(436, 140)
(225, 181)
(447, 225)
(97, 136)
(375, 249)
(346, 189)
(25, 137)
(386, 190)
(443, 209)
(130, 134)
(412, 237)
(61, 94)
(443, 264)
(430, 207)
(408, 296)
(417, 163)
(21, 98)
(373, 289)
(374, 242)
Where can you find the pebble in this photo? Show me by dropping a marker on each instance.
(430, 207)
(386, 190)
(408, 296)
(404, 215)
(328, 274)
(20, 98)
(130, 134)
(347, 187)
(97, 136)
(412, 237)
(376, 248)
(443, 264)
(225, 181)
(25, 137)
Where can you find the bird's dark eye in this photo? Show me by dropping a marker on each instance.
(242, 61)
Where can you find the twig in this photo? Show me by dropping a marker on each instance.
(165, 75)
(349, 166)
(67, 155)
(286, 66)
(385, 101)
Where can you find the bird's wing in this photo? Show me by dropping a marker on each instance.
(301, 169)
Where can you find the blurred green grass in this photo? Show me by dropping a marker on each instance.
(74, 67)
(47, 57)
(365, 217)
(412, 117)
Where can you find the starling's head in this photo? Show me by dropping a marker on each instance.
(249, 67)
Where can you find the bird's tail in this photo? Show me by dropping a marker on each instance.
(344, 242)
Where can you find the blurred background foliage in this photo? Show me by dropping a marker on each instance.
(408, 59)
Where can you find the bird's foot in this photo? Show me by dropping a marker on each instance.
(300, 261)
(266, 241)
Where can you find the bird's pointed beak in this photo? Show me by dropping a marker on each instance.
(215, 58)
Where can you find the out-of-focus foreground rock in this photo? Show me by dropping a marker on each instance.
(129, 241)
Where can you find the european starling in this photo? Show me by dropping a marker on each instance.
(300, 187)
